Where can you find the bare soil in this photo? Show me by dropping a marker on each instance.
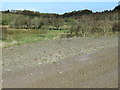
(62, 63)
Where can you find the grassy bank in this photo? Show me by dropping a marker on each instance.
(22, 36)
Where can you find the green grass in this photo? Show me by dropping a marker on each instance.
(22, 36)
(19, 36)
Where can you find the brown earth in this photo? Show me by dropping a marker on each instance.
(86, 63)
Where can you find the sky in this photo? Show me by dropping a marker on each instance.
(58, 7)
(59, 0)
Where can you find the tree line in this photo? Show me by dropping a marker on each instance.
(79, 23)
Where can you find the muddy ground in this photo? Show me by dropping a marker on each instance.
(62, 63)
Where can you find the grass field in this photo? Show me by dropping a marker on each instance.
(12, 37)
(22, 36)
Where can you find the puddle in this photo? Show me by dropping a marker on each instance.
(84, 58)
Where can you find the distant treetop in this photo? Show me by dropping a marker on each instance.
(117, 8)
(67, 14)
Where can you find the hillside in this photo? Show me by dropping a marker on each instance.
(67, 14)
(77, 49)
(26, 26)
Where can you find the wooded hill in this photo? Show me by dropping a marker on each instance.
(79, 23)
(68, 14)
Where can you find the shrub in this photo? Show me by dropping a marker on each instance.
(116, 27)
(4, 33)
(57, 23)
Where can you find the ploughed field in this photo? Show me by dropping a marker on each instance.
(68, 63)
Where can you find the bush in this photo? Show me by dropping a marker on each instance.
(4, 33)
(116, 27)
(57, 23)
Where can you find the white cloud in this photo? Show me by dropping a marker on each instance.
(27, 9)
(59, 1)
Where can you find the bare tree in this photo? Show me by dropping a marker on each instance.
(57, 23)
(37, 23)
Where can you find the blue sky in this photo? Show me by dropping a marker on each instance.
(58, 7)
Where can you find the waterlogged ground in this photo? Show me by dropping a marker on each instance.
(73, 62)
